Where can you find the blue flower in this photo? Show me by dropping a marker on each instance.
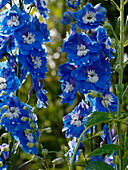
(100, 36)
(69, 154)
(42, 7)
(18, 119)
(12, 19)
(80, 49)
(3, 3)
(9, 82)
(90, 17)
(94, 77)
(73, 3)
(106, 136)
(68, 86)
(108, 102)
(67, 18)
(4, 149)
(74, 121)
(43, 28)
(28, 38)
(28, 1)
(40, 93)
(35, 62)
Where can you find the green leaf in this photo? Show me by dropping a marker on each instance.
(100, 165)
(97, 117)
(81, 163)
(126, 43)
(109, 148)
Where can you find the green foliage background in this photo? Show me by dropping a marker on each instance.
(53, 114)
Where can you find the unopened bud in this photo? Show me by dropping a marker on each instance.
(45, 152)
(32, 125)
(5, 107)
(47, 130)
(5, 135)
(94, 93)
(23, 118)
(30, 145)
(27, 131)
(58, 161)
(1, 163)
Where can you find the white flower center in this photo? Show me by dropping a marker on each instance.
(69, 87)
(92, 76)
(90, 17)
(14, 21)
(37, 61)
(107, 100)
(29, 39)
(107, 46)
(29, 137)
(43, 3)
(81, 50)
(75, 120)
(13, 112)
(3, 83)
(72, 2)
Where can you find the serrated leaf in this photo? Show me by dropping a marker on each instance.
(126, 43)
(109, 148)
(99, 165)
(97, 117)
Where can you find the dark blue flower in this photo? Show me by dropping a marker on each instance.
(73, 3)
(28, 38)
(90, 17)
(42, 7)
(43, 28)
(3, 3)
(12, 19)
(18, 119)
(35, 62)
(74, 121)
(80, 49)
(9, 82)
(94, 77)
(108, 136)
(69, 87)
(40, 93)
(108, 102)
(67, 18)
(28, 1)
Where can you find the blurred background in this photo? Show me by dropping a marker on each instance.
(52, 115)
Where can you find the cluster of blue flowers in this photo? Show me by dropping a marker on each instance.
(22, 52)
(88, 70)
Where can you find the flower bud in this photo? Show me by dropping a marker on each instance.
(47, 130)
(23, 118)
(5, 135)
(5, 107)
(94, 93)
(30, 145)
(32, 125)
(1, 163)
(58, 161)
(45, 152)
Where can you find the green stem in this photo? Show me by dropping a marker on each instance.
(76, 148)
(120, 79)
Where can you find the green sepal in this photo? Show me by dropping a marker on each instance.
(108, 149)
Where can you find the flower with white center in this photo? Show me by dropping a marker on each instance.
(37, 61)
(92, 76)
(13, 112)
(75, 120)
(3, 83)
(107, 100)
(90, 17)
(13, 21)
(29, 39)
(29, 137)
(81, 50)
(69, 87)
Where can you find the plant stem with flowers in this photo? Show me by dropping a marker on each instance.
(85, 52)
